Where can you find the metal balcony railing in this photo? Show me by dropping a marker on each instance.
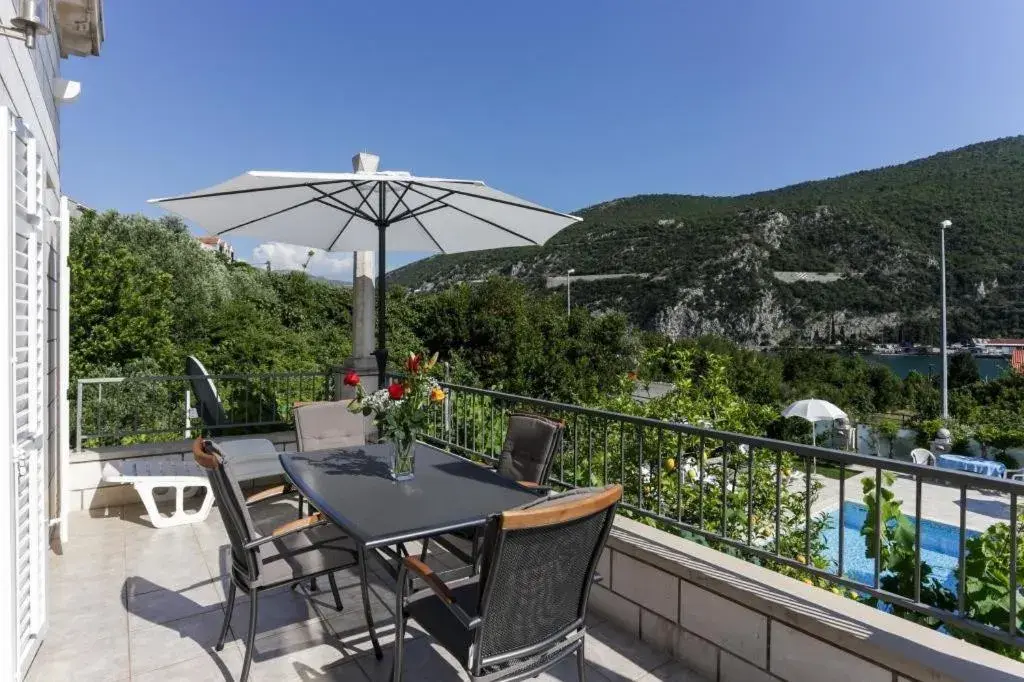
(126, 410)
(748, 495)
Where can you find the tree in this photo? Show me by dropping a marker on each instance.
(963, 370)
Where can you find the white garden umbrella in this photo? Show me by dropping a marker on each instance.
(814, 411)
(367, 211)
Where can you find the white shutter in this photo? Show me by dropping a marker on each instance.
(28, 384)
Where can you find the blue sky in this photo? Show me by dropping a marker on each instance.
(566, 103)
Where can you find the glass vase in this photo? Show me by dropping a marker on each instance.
(402, 465)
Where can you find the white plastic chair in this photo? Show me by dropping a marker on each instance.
(922, 456)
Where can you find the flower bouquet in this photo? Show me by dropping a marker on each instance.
(400, 410)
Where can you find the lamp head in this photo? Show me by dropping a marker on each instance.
(946, 223)
(571, 271)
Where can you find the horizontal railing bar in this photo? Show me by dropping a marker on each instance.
(976, 481)
(142, 432)
(184, 377)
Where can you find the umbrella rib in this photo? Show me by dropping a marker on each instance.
(398, 198)
(347, 222)
(350, 209)
(480, 218)
(285, 210)
(365, 199)
(538, 209)
(413, 211)
(422, 226)
(417, 213)
(231, 192)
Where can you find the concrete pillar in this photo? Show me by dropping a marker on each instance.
(361, 359)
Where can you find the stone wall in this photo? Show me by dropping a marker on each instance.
(87, 490)
(736, 622)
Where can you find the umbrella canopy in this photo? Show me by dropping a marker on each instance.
(814, 410)
(365, 211)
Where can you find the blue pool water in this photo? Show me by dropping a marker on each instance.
(940, 546)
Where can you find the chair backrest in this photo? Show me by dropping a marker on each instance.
(232, 506)
(922, 456)
(537, 566)
(210, 409)
(530, 445)
(327, 424)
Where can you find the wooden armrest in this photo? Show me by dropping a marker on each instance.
(528, 484)
(299, 524)
(430, 578)
(268, 493)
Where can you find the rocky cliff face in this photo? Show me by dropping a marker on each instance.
(854, 256)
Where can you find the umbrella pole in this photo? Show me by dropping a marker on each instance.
(382, 346)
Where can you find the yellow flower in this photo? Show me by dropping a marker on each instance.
(436, 394)
(670, 463)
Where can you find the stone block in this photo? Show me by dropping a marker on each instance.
(797, 657)
(615, 608)
(724, 623)
(648, 586)
(697, 653)
(734, 669)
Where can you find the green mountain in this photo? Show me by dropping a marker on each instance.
(852, 257)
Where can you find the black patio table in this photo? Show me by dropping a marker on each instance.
(351, 487)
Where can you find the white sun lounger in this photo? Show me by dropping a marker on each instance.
(251, 458)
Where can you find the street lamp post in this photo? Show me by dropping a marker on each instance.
(945, 363)
(568, 291)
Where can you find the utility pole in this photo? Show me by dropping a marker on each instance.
(568, 291)
(945, 364)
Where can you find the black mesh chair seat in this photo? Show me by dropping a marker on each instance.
(525, 610)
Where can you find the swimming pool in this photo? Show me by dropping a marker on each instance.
(940, 546)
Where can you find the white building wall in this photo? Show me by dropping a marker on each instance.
(27, 90)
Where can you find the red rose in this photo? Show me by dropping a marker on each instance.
(396, 391)
(412, 363)
(352, 378)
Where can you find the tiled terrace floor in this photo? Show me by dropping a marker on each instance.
(131, 602)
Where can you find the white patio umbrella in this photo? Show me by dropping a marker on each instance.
(367, 211)
(814, 411)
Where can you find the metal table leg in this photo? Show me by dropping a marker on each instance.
(364, 582)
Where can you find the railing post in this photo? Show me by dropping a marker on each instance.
(78, 418)
(447, 402)
(188, 414)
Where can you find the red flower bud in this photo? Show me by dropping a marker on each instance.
(412, 363)
(396, 391)
(352, 378)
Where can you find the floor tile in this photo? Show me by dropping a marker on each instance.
(211, 666)
(277, 612)
(162, 605)
(673, 672)
(618, 655)
(422, 659)
(309, 648)
(101, 658)
(87, 617)
(159, 646)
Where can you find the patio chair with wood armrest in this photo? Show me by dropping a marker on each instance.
(525, 610)
(297, 551)
(531, 442)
